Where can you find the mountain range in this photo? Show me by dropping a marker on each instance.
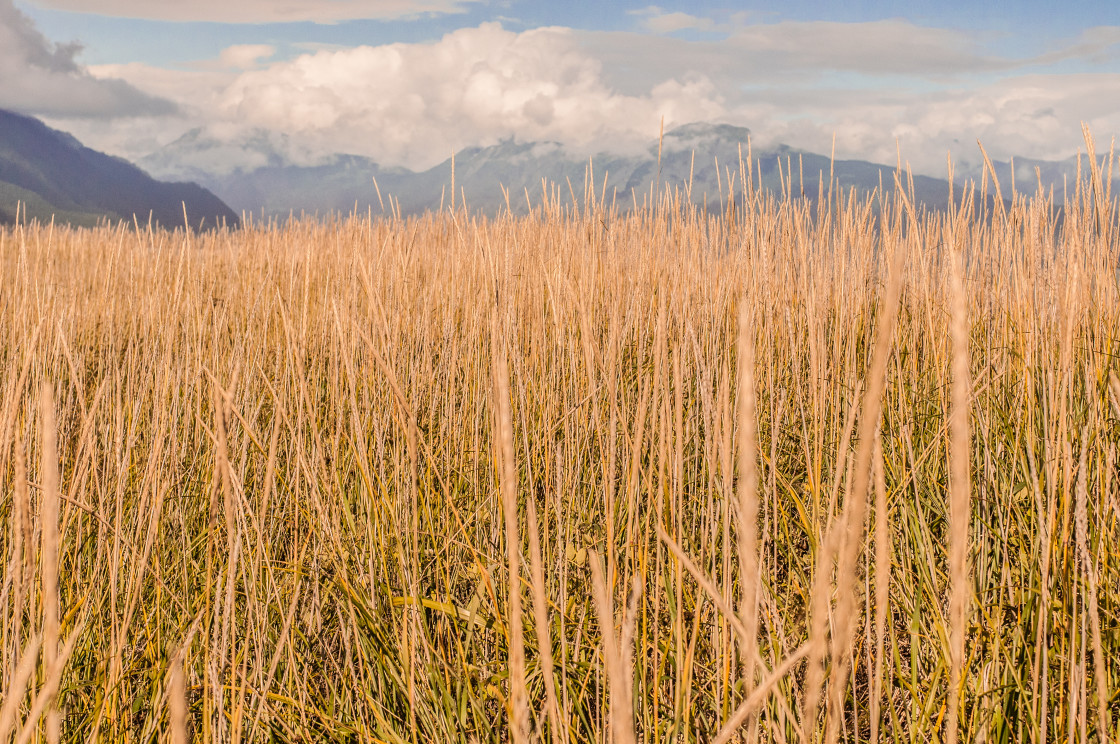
(270, 185)
(51, 175)
(46, 174)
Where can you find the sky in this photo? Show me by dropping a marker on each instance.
(407, 82)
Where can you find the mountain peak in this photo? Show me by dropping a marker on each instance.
(700, 135)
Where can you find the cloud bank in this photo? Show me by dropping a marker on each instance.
(43, 78)
(870, 85)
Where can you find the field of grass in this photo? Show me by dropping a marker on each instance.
(761, 473)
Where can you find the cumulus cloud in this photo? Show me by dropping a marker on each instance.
(413, 104)
(260, 11)
(43, 78)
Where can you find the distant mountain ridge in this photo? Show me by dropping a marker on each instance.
(267, 184)
(48, 174)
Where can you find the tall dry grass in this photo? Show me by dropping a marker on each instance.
(770, 472)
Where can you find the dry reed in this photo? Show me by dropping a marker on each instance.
(296, 469)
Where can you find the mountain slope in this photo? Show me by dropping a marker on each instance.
(53, 175)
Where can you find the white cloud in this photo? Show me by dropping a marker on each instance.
(660, 21)
(40, 77)
(259, 11)
(245, 56)
(412, 104)
(1037, 116)
(1100, 45)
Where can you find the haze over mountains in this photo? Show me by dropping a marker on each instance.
(268, 184)
(47, 174)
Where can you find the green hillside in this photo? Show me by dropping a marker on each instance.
(30, 206)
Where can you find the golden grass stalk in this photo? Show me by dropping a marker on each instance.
(1088, 565)
(614, 658)
(882, 589)
(17, 685)
(505, 456)
(749, 577)
(48, 518)
(541, 622)
(21, 568)
(177, 703)
(960, 453)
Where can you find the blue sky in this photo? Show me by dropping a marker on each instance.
(407, 81)
(1022, 27)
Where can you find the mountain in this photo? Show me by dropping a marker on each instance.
(1026, 175)
(252, 175)
(51, 175)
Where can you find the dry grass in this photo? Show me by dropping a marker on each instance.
(773, 474)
